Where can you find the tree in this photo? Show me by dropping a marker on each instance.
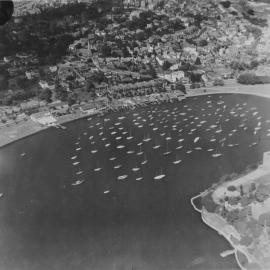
(46, 95)
(166, 65)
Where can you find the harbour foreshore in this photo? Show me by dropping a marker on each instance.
(12, 133)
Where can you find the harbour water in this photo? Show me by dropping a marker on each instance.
(92, 196)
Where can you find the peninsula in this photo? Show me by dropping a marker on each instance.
(239, 210)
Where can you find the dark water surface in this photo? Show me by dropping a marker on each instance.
(47, 223)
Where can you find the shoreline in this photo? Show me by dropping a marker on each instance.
(24, 129)
(220, 225)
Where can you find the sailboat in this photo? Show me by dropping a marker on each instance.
(177, 160)
(167, 150)
(76, 163)
(179, 147)
(120, 146)
(160, 176)
(144, 161)
(140, 152)
(147, 139)
(98, 168)
(122, 177)
(216, 154)
(78, 182)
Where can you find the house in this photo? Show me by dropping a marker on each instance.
(43, 118)
(174, 76)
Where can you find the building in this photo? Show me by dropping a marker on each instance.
(43, 118)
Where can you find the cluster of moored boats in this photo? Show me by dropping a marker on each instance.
(178, 131)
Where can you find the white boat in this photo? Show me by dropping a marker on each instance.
(157, 146)
(155, 128)
(97, 169)
(76, 163)
(78, 182)
(196, 139)
(118, 138)
(180, 140)
(189, 151)
(144, 161)
(216, 155)
(94, 151)
(167, 150)
(73, 157)
(140, 152)
(120, 146)
(135, 169)
(210, 150)
(122, 177)
(107, 145)
(117, 166)
(159, 176)
(78, 149)
(106, 191)
(130, 152)
(139, 178)
(147, 139)
(1, 195)
(23, 154)
(79, 172)
(198, 148)
(112, 158)
(177, 160)
(179, 147)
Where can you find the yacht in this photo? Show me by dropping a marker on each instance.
(167, 150)
(120, 146)
(160, 176)
(177, 160)
(122, 177)
(76, 163)
(97, 169)
(144, 161)
(78, 182)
